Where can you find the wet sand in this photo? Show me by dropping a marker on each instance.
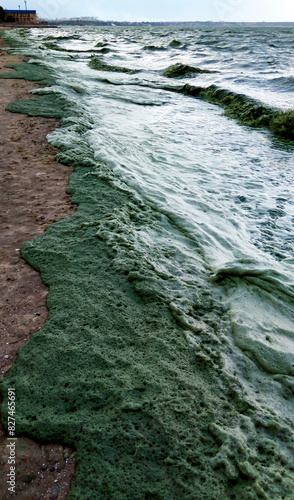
(33, 195)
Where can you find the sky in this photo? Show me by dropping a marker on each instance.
(161, 10)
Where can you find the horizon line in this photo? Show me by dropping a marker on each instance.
(93, 18)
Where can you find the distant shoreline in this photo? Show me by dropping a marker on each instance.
(53, 23)
(187, 24)
(6, 26)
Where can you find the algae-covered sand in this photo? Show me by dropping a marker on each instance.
(112, 373)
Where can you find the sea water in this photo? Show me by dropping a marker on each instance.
(223, 191)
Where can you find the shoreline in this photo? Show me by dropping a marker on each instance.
(10, 26)
(137, 373)
(33, 196)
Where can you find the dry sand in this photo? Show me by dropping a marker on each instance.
(33, 196)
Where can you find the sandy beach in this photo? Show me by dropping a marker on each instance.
(33, 196)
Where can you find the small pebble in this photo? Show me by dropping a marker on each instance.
(43, 467)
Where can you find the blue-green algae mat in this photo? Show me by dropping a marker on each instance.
(111, 372)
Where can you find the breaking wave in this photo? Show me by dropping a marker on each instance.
(96, 63)
(244, 109)
(154, 47)
(179, 70)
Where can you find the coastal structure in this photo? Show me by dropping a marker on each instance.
(21, 16)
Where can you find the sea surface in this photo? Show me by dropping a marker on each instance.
(150, 111)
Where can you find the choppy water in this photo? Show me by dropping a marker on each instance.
(224, 191)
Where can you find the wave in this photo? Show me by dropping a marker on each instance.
(181, 70)
(154, 47)
(69, 37)
(267, 278)
(54, 46)
(246, 110)
(175, 44)
(101, 44)
(204, 40)
(96, 63)
(284, 83)
(103, 50)
(268, 339)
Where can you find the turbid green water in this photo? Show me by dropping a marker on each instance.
(151, 363)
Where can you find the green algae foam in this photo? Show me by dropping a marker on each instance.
(167, 359)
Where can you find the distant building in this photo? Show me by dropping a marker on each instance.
(21, 16)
